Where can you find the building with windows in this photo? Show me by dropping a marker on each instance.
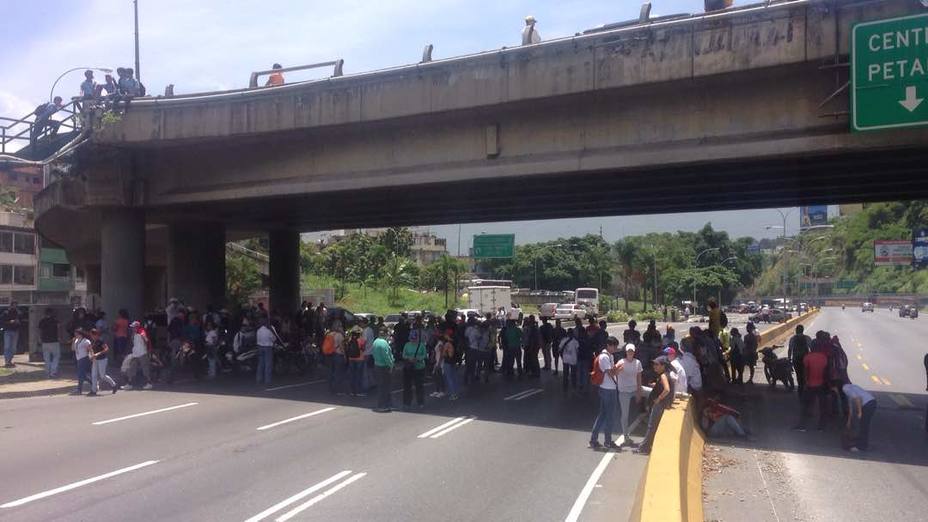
(427, 247)
(32, 270)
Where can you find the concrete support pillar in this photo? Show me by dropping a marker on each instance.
(122, 265)
(284, 270)
(197, 264)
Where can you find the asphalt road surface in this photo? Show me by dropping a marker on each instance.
(230, 451)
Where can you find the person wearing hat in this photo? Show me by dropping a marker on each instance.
(276, 78)
(354, 351)
(629, 382)
(608, 396)
(383, 369)
(414, 354)
(81, 347)
(529, 34)
(661, 398)
(677, 372)
(139, 358)
(98, 352)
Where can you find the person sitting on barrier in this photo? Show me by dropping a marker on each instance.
(661, 398)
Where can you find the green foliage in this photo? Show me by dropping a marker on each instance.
(562, 264)
(397, 272)
(242, 278)
(444, 275)
(357, 258)
(376, 300)
(617, 316)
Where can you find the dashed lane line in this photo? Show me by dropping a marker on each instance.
(886, 381)
(860, 357)
(143, 414)
(320, 497)
(298, 385)
(523, 394)
(866, 368)
(299, 496)
(447, 427)
(76, 485)
(875, 379)
(901, 400)
(293, 419)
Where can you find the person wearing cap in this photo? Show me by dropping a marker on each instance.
(608, 396)
(81, 347)
(677, 372)
(98, 353)
(629, 383)
(139, 357)
(383, 369)
(529, 33)
(661, 398)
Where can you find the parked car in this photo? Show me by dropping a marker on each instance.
(775, 315)
(547, 310)
(390, 320)
(364, 315)
(467, 313)
(347, 318)
(866, 307)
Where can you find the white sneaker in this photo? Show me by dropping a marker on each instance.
(439, 395)
(127, 387)
(148, 387)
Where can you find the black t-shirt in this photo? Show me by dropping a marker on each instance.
(547, 332)
(11, 320)
(98, 349)
(48, 330)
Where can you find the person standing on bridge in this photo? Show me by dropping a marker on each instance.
(529, 33)
(276, 78)
(799, 346)
(607, 370)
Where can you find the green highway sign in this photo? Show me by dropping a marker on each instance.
(889, 73)
(494, 246)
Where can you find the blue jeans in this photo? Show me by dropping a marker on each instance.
(10, 340)
(356, 376)
(51, 353)
(450, 373)
(265, 364)
(583, 373)
(606, 418)
(336, 372)
(83, 373)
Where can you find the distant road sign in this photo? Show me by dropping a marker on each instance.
(494, 246)
(892, 253)
(889, 73)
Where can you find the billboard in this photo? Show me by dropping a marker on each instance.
(920, 248)
(494, 246)
(813, 216)
(892, 253)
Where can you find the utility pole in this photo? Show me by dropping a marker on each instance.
(138, 68)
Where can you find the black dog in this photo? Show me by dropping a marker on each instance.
(777, 369)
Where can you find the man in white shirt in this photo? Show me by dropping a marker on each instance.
(608, 397)
(369, 335)
(677, 373)
(265, 338)
(139, 357)
(81, 347)
(861, 407)
(529, 33)
(629, 383)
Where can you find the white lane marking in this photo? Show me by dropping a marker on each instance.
(439, 428)
(300, 385)
(292, 419)
(529, 394)
(516, 396)
(454, 427)
(76, 485)
(162, 410)
(587, 490)
(766, 489)
(318, 498)
(299, 496)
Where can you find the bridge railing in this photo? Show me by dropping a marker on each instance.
(338, 64)
(19, 131)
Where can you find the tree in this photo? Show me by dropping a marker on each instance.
(397, 271)
(397, 241)
(242, 278)
(444, 274)
(626, 253)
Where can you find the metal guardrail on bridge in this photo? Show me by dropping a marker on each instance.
(19, 131)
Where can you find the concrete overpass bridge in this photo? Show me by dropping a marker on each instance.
(738, 109)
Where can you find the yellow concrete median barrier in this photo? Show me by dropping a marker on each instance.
(771, 334)
(671, 488)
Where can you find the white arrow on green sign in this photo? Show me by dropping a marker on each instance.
(889, 73)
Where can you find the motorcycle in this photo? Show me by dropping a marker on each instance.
(298, 360)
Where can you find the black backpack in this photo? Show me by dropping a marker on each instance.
(353, 349)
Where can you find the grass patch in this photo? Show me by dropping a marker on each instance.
(375, 299)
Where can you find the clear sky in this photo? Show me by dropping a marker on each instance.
(206, 45)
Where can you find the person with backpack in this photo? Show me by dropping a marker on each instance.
(354, 351)
(569, 348)
(799, 346)
(604, 375)
(414, 353)
(383, 370)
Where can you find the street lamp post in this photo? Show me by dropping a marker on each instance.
(722, 263)
(785, 263)
(51, 94)
(695, 266)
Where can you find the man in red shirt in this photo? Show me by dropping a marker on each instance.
(815, 364)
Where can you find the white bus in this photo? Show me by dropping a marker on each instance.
(588, 299)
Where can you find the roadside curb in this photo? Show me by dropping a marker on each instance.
(58, 390)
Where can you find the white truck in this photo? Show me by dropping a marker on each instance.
(489, 298)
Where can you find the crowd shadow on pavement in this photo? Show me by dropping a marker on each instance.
(898, 431)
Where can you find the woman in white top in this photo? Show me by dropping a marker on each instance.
(629, 384)
(569, 349)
